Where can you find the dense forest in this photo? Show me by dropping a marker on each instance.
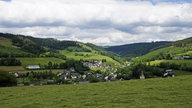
(136, 49)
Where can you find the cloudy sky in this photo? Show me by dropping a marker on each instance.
(102, 22)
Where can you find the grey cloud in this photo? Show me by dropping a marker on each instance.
(10, 24)
(6, 0)
(100, 23)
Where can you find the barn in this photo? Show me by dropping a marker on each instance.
(33, 67)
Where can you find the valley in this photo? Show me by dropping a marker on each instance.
(52, 55)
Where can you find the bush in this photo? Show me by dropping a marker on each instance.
(149, 71)
(9, 61)
(7, 79)
(93, 79)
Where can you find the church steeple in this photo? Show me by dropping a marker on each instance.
(142, 76)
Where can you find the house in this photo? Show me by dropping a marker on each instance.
(75, 75)
(111, 77)
(33, 67)
(93, 63)
(16, 74)
(64, 75)
(182, 57)
(68, 75)
(168, 73)
(178, 58)
(187, 57)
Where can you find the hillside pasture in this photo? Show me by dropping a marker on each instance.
(7, 43)
(156, 54)
(42, 61)
(149, 93)
(189, 53)
(7, 48)
(188, 63)
(88, 56)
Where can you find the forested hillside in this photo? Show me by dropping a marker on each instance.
(176, 49)
(176, 56)
(31, 50)
(136, 49)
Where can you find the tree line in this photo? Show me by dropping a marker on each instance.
(71, 63)
(9, 61)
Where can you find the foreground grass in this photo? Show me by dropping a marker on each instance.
(159, 92)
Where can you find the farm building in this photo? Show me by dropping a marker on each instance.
(33, 67)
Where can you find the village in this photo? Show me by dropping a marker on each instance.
(70, 76)
(67, 76)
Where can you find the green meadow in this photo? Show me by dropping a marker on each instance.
(7, 47)
(156, 53)
(88, 56)
(149, 93)
(12, 68)
(186, 62)
(42, 61)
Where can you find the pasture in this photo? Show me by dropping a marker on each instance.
(12, 68)
(157, 92)
(153, 55)
(87, 56)
(42, 61)
(188, 63)
(7, 48)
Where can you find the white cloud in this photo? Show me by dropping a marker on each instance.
(103, 22)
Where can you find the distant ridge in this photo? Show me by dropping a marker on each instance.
(136, 49)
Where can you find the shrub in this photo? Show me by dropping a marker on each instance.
(7, 79)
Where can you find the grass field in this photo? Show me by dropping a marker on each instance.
(12, 68)
(88, 56)
(7, 48)
(188, 63)
(21, 69)
(41, 61)
(149, 93)
(154, 54)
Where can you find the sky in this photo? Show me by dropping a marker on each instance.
(102, 22)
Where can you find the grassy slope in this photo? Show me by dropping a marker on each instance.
(178, 48)
(7, 47)
(87, 56)
(158, 92)
(187, 62)
(153, 54)
(136, 49)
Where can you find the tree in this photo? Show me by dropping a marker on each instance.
(149, 71)
(50, 65)
(9, 61)
(7, 79)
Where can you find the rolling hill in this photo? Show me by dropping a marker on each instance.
(177, 56)
(30, 50)
(175, 49)
(136, 49)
